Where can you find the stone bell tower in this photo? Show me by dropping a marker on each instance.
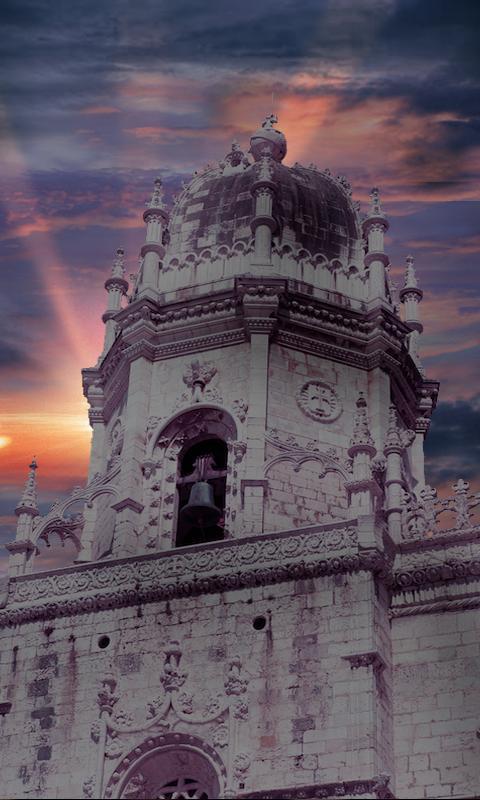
(255, 501)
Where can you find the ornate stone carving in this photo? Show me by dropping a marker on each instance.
(240, 709)
(88, 786)
(173, 677)
(196, 377)
(423, 514)
(220, 736)
(234, 682)
(107, 698)
(319, 401)
(95, 732)
(240, 408)
(325, 791)
(241, 765)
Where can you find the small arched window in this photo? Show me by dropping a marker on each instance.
(201, 489)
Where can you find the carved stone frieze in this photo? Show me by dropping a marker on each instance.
(373, 787)
(326, 549)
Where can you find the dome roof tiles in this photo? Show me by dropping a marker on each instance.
(312, 209)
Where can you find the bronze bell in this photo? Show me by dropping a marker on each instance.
(201, 510)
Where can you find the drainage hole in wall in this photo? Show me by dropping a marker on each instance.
(103, 642)
(259, 623)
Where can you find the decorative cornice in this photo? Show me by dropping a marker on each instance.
(435, 607)
(343, 331)
(20, 546)
(261, 560)
(426, 575)
(376, 787)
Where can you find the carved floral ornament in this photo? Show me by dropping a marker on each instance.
(170, 763)
(319, 401)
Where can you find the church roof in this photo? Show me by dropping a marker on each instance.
(312, 209)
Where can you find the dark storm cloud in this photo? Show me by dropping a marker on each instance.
(59, 58)
(11, 355)
(453, 444)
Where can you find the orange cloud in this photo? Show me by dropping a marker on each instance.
(89, 110)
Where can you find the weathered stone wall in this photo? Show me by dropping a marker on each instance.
(289, 371)
(437, 704)
(228, 384)
(311, 717)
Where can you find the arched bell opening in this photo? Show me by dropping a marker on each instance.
(201, 492)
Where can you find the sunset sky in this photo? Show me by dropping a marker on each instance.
(99, 97)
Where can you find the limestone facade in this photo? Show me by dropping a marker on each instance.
(310, 627)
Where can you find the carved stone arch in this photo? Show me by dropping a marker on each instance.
(168, 430)
(300, 458)
(154, 767)
(335, 265)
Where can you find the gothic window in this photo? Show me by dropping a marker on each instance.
(201, 490)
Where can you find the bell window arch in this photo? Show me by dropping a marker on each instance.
(201, 491)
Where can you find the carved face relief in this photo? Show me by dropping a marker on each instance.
(318, 401)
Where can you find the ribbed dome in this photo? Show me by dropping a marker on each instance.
(312, 209)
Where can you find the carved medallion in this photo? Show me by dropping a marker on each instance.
(318, 401)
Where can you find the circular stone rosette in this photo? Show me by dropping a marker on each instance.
(319, 401)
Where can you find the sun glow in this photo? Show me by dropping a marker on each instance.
(5, 441)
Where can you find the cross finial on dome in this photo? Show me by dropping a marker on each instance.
(268, 138)
(270, 121)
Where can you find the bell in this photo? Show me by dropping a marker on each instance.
(200, 510)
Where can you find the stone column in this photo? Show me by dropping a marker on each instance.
(263, 223)
(130, 503)
(376, 260)
(393, 477)
(260, 304)
(22, 549)
(116, 287)
(361, 490)
(156, 218)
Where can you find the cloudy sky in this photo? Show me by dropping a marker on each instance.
(97, 98)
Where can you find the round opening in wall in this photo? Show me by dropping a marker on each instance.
(103, 642)
(259, 623)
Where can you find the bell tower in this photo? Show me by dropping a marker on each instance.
(256, 490)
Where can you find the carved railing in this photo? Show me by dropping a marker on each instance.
(429, 515)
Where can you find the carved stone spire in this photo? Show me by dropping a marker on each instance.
(263, 223)
(375, 203)
(362, 490)
(156, 218)
(393, 449)
(376, 260)
(361, 437)
(29, 503)
(116, 286)
(411, 296)
(393, 441)
(118, 268)
(410, 277)
(156, 200)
